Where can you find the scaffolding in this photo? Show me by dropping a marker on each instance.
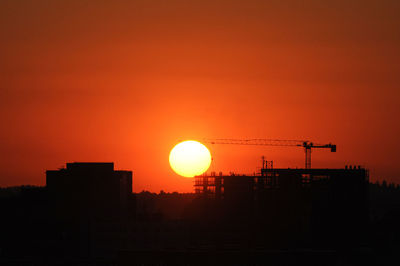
(215, 185)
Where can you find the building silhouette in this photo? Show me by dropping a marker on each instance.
(91, 205)
(291, 207)
(89, 188)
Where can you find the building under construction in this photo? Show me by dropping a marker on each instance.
(307, 205)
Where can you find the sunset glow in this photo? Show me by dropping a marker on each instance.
(122, 81)
(190, 158)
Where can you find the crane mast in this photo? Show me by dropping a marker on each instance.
(307, 145)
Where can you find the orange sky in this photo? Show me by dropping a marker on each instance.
(125, 81)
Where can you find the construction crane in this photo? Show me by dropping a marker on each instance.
(307, 145)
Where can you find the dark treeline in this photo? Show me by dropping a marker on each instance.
(385, 217)
(384, 202)
(171, 206)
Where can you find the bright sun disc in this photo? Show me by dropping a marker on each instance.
(190, 158)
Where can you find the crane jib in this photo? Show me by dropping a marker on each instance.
(308, 145)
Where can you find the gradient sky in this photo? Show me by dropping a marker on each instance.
(124, 81)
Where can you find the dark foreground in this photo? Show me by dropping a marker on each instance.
(286, 217)
(271, 257)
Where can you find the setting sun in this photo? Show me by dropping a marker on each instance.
(190, 158)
